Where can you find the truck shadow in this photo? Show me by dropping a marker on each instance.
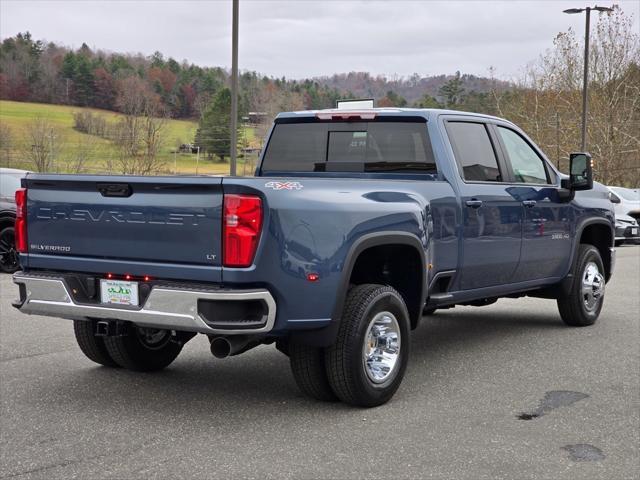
(197, 382)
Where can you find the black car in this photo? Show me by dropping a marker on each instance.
(9, 183)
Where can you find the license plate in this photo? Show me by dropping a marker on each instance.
(119, 292)
(634, 231)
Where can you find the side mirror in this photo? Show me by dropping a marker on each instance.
(614, 198)
(580, 172)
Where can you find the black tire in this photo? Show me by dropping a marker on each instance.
(93, 347)
(576, 309)
(618, 242)
(134, 352)
(309, 372)
(8, 255)
(349, 377)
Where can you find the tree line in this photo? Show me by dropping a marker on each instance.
(545, 100)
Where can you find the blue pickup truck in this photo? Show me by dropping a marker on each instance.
(356, 224)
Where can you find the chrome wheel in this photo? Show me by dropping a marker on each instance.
(592, 286)
(153, 338)
(381, 349)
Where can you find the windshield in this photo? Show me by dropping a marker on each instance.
(9, 183)
(377, 146)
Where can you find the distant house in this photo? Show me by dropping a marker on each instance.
(255, 118)
(188, 148)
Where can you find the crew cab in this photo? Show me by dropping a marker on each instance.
(355, 224)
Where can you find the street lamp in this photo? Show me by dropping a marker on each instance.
(586, 65)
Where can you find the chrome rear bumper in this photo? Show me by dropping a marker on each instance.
(165, 307)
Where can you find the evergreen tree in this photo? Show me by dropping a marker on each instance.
(83, 81)
(452, 91)
(214, 130)
(427, 101)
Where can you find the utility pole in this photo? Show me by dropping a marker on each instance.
(558, 140)
(234, 88)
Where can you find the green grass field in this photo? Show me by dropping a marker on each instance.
(19, 115)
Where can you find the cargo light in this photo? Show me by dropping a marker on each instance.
(241, 225)
(21, 220)
(345, 115)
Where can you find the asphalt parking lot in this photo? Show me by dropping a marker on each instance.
(504, 391)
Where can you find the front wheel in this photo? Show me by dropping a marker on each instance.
(582, 306)
(366, 364)
(143, 349)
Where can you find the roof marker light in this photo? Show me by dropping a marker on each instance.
(345, 115)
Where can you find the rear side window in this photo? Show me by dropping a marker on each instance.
(349, 147)
(474, 151)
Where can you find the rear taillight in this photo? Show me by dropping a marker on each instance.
(21, 220)
(241, 226)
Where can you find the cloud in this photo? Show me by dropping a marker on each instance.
(310, 38)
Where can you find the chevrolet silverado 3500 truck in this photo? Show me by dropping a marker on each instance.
(355, 224)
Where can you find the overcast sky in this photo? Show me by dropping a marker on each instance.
(307, 38)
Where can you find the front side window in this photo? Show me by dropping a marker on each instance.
(474, 152)
(526, 164)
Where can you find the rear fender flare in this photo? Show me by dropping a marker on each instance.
(375, 240)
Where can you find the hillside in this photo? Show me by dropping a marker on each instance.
(365, 85)
(19, 116)
(42, 71)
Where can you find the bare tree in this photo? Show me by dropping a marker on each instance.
(271, 100)
(547, 100)
(152, 141)
(82, 153)
(138, 134)
(42, 144)
(6, 144)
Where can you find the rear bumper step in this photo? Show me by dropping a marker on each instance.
(203, 311)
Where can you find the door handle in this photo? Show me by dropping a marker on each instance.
(474, 203)
(529, 203)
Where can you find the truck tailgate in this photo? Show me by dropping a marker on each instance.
(125, 222)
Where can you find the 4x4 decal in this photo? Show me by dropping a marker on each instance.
(284, 185)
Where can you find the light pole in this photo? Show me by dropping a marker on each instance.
(234, 88)
(585, 79)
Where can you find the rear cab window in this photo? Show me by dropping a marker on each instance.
(394, 146)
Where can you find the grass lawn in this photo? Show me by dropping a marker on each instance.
(18, 115)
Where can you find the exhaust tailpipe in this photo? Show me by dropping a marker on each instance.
(223, 347)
